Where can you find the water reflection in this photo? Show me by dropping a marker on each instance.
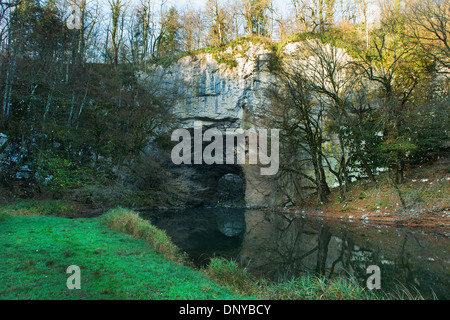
(231, 222)
(203, 233)
(277, 246)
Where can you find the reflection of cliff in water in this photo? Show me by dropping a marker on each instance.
(280, 247)
(203, 232)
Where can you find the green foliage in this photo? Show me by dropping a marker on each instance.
(168, 41)
(423, 135)
(227, 59)
(41, 29)
(168, 60)
(391, 148)
(77, 131)
(116, 194)
(227, 52)
(429, 124)
(62, 173)
(348, 39)
(275, 59)
(319, 288)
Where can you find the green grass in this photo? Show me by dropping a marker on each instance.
(3, 217)
(229, 273)
(36, 252)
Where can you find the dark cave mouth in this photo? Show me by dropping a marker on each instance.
(231, 191)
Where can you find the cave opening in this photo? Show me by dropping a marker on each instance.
(231, 191)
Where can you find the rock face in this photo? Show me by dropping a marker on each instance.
(222, 95)
(215, 92)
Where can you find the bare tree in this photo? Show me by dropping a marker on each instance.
(142, 31)
(300, 116)
(117, 8)
(301, 12)
(193, 29)
(256, 14)
(235, 10)
(430, 27)
(326, 69)
(218, 21)
(12, 45)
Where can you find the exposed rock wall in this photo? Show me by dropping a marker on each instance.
(215, 92)
(221, 96)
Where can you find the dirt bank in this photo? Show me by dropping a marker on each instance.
(422, 201)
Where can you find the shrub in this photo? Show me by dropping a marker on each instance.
(59, 174)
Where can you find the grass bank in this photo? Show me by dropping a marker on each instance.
(308, 287)
(37, 250)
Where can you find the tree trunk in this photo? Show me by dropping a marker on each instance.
(364, 163)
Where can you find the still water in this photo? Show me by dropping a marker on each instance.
(276, 246)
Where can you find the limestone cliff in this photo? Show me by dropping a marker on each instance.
(223, 90)
(211, 90)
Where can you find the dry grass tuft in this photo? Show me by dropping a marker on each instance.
(128, 221)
